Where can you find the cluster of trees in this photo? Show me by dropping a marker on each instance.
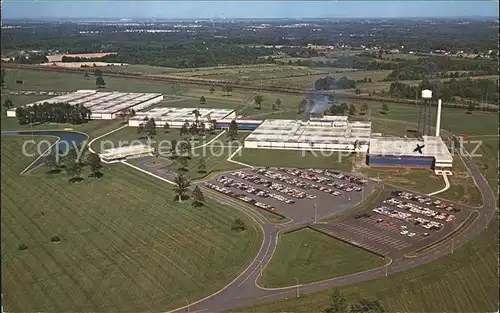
(441, 66)
(46, 112)
(31, 58)
(338, 304)
(329, 83)
(73, 165)
(181, 189)
(481, 90)
(99, 80)
(148, 127)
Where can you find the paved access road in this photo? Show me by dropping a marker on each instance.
(244, 291)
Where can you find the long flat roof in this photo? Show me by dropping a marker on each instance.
(395, 146)
(181, 114)
(299, 131)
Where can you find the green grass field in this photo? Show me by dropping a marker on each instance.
(293, 158)
(126, 246)
(308, 256)
(466, 281)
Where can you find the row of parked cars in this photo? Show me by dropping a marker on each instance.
(244, 198)
(229, 182)
(295, 182)
(38, 93)
(292, 192)
(348, 178)
(435, 203)
(407, 217)
(414, 208)
(313, 176)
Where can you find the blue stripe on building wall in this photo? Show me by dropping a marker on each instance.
(241, 126)
(389, 160)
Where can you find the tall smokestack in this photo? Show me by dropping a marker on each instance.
(438, 119)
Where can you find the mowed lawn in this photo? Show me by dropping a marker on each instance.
(295, 158)
(309, 256)
(466, 281)
(126, 246)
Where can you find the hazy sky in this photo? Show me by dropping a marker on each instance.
(245, 9)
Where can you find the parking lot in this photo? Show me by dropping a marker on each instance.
(402, 223)
(301, 194)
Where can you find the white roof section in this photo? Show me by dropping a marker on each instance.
(310, 131)
(128, 150)
(182, 114)
(433, 147)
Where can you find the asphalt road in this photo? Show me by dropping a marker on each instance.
(243, 291)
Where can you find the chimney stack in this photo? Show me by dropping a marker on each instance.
(438, 119)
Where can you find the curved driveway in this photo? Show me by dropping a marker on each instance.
(243, 291)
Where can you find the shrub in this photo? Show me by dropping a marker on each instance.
(55, 239)
(22, 246)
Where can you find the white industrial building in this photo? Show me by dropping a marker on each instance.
(329, 133)
(103, 105)
(125, 153)
(176, 117)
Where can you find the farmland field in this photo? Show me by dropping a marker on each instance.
(125, 246)
(466, 281)
(309, 256)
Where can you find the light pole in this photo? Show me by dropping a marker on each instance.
(31, 126)
(298, 286)
(187, 304)
(315, 213)
(386, 267)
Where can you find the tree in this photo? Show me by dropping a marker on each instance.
(140, 130)
(198, 197)
(97, 73)
(94, 161)
(173, 148)
(86, 75)
(3, 77)
(183, 160)
(100, 83)
(338, 303)
(74, 169)
(367, 306)
(202, 167)
(238, 225)
(150, 127)
(343, 108)
(233, 130)
(51, 162)
(212, 90)
(471, 108)
(8, 104)
(258, 100)
(352, 109)
(384, 109)
(181, 186)
(203, 100)
(227, 89)
(302, 106)
(166, 127)
(278, 104)
(197, 115)
(364, 108)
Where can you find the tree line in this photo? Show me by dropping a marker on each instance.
(439, 66)
(329, 83)
(46, 112)
(481, 90)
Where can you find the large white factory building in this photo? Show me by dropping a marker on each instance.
(103, 105)
(328, 133)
